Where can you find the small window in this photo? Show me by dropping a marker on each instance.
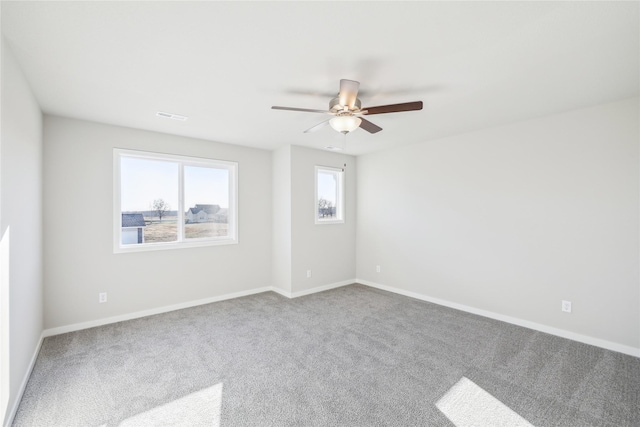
(165, 201)
(329, 206)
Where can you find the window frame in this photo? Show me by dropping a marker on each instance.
(340, 199)
(182, 161)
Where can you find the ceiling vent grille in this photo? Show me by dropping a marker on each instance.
(171, 116)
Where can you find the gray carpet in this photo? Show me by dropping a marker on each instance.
(353, 356)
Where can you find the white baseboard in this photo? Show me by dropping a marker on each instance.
(281, 291)
(138, 314)
(632, 351)
(621, 348)
(23, 385)
(322, 288)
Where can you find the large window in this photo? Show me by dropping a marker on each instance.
(329, 201)
(164, 201)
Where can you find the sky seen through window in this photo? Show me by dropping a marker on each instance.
(143, 181)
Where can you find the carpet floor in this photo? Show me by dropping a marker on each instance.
(352, 356)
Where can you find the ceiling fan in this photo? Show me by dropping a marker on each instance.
(347, 111)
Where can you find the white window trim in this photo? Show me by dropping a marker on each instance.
(340, 205)
(182, 161)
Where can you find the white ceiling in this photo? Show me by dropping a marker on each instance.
(224, 64)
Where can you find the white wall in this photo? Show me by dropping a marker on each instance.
(299, 244)
(281, 252)
(514, 219)
(328, 250)
(78, 194)
(21, 218)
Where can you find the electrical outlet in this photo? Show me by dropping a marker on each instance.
(102, 297)
(308, 274)
(377, 269)
(566, 306)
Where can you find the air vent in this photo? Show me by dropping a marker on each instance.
(171, 116)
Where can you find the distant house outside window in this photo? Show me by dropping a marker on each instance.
(329, 200)
(164, 201)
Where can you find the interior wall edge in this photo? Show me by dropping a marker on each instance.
(16, 403)
(322, 288)
(21, 192)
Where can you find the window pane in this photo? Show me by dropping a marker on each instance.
(206, 197)
(166, 201)
(148, 199)
(327, 194)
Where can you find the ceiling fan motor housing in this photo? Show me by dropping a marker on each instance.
(335, 107)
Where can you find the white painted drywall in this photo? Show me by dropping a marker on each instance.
(328, 250)
(78, 195)
(21, 217)
(514, 219)
(281, 216)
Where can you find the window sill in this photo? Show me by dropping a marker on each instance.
(333, 221)
(147, 247)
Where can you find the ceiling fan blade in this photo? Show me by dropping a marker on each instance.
(306, 110)
(317, 127)
(368, 126)
(348, 92)
(394, 108)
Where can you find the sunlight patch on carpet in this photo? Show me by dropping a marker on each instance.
(468, 405)
(201, 408)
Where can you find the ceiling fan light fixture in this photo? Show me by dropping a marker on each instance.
(345, 124)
